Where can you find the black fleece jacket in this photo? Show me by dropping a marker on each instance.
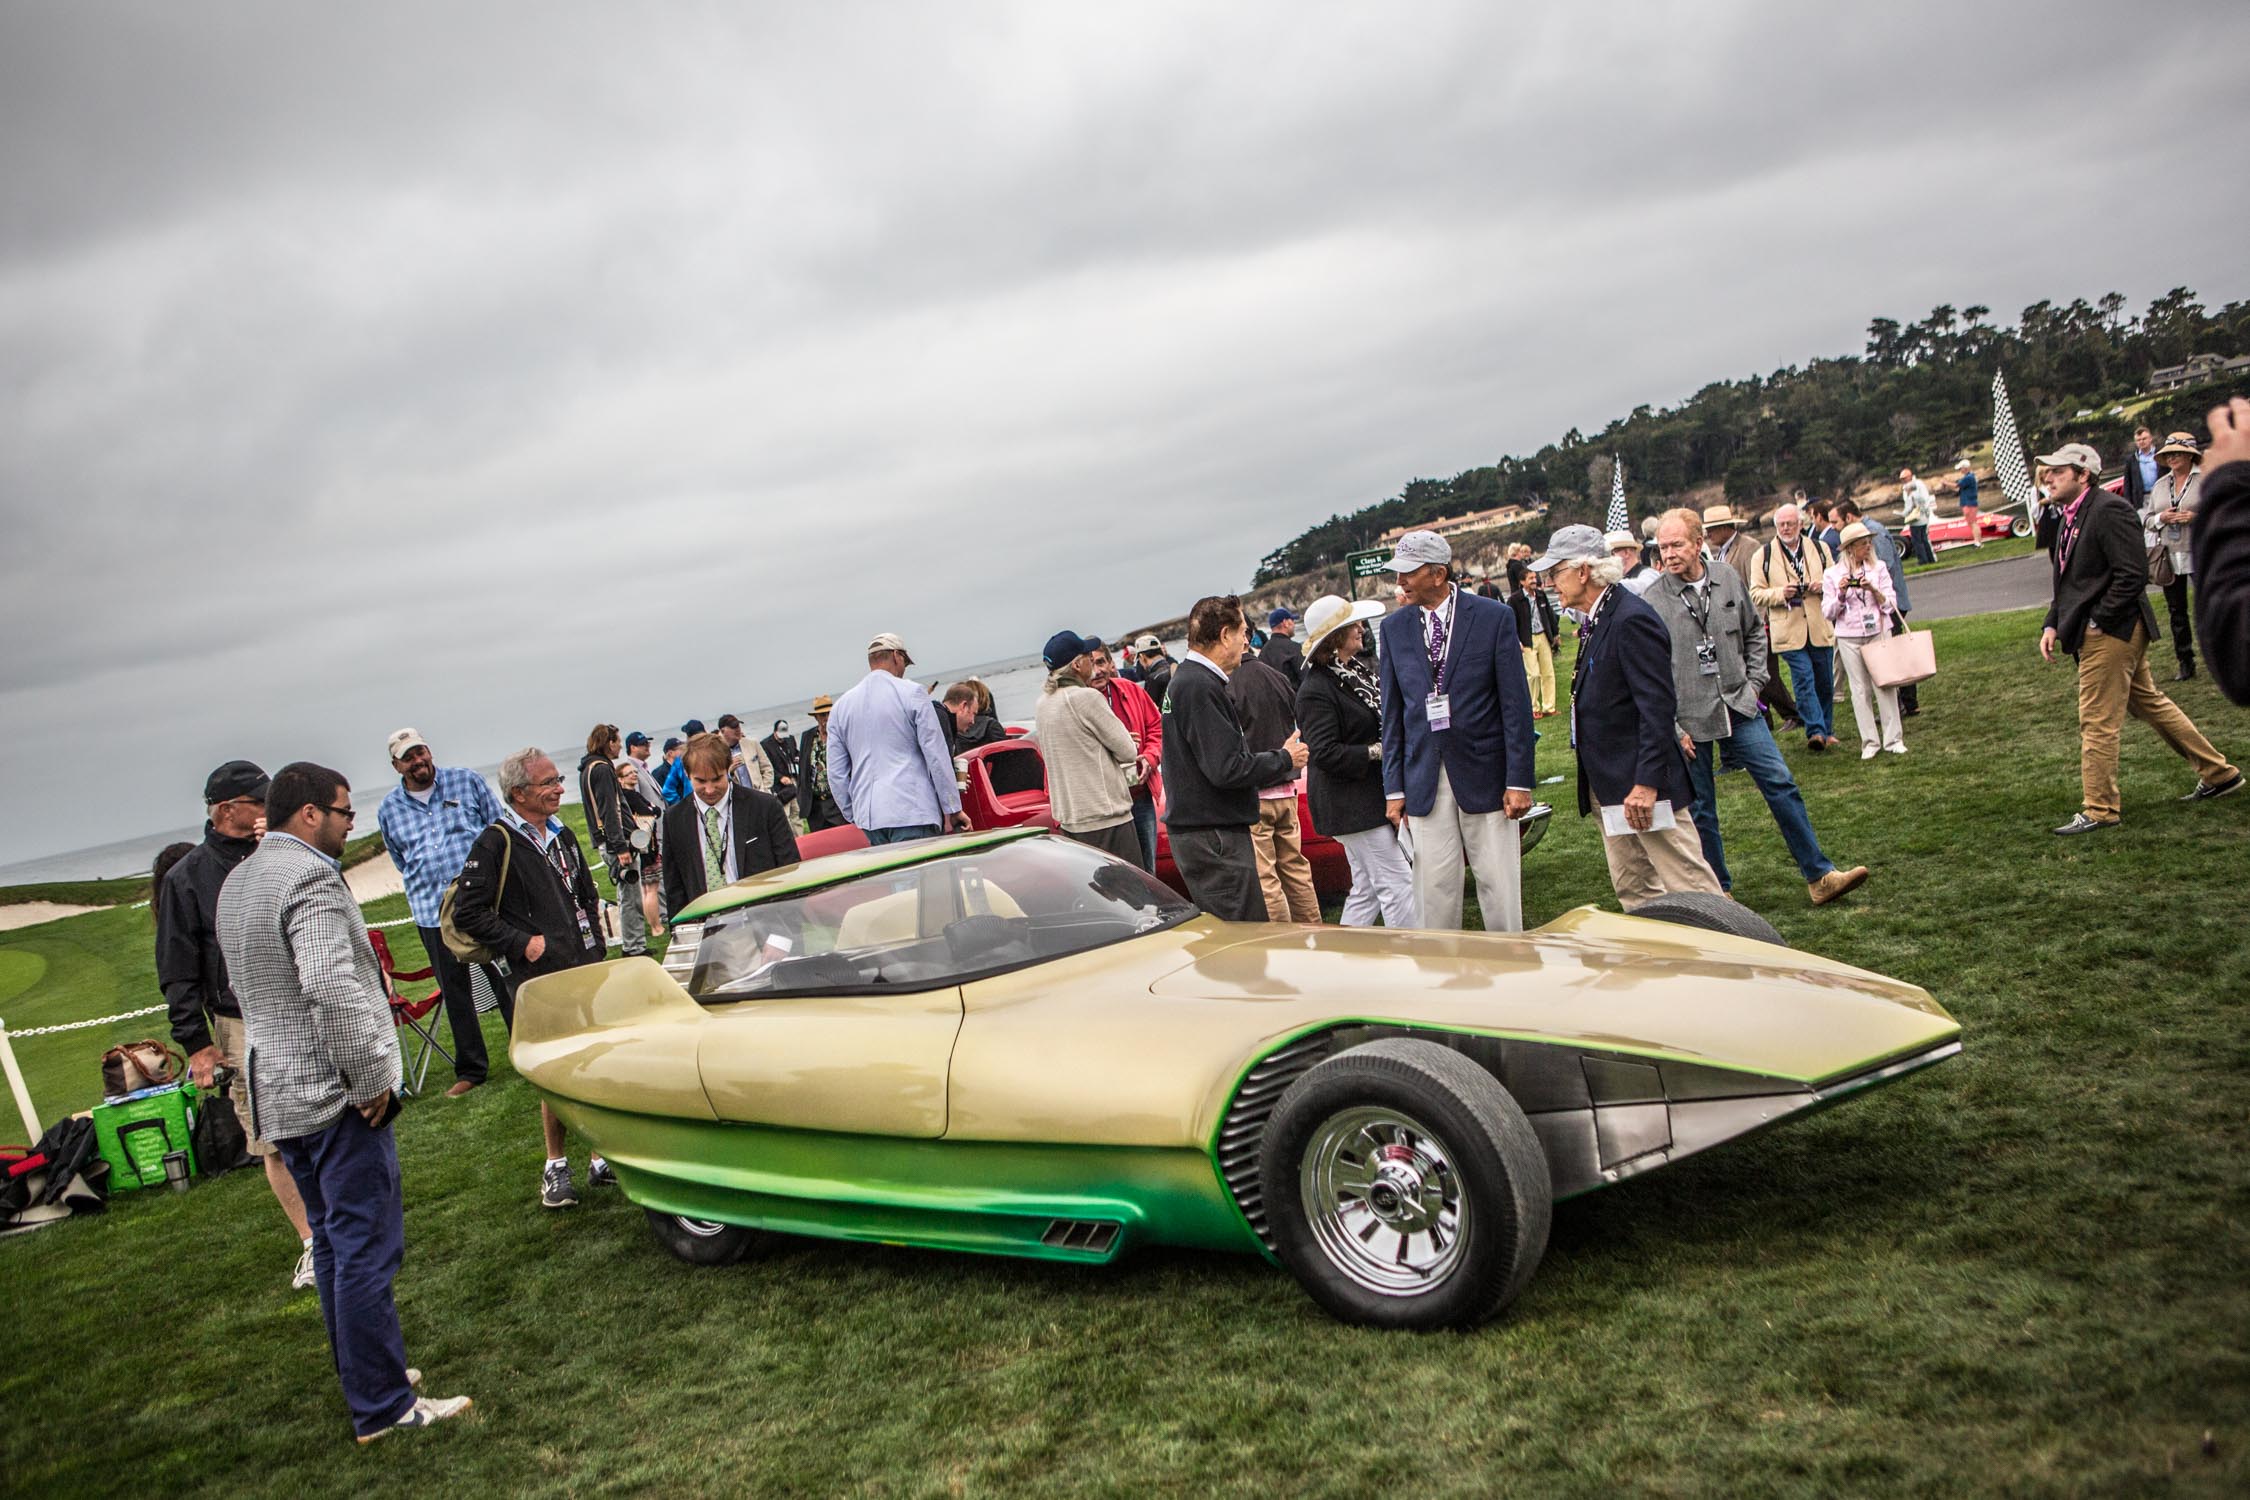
(2221, 540)
(533, 902)
(189, 968)
(1211, 779)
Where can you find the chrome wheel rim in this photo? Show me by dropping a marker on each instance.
(702, 1229)
(1386, 1206)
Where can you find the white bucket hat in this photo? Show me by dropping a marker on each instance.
(1331, 613)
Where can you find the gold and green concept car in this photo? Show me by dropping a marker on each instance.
(1010, 1042)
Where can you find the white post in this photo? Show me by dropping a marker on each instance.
(16, 1087)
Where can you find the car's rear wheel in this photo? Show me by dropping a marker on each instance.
(702, 1242)
(1711, 913)
(1405, 1188)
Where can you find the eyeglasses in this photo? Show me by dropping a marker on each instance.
(548, 781)
(345, 812)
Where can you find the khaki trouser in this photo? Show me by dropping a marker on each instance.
(2113, 680)
(233, 1040)
(1283, 871)
(1490, 843)
(1643, 866)
(1539, 672)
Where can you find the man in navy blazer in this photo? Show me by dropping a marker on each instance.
(1457, 741)
(1623, 715)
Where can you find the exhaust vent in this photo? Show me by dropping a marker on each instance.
(1088, 1235)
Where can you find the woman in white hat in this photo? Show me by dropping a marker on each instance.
(1339, 714)
(2167, 516)
(1857, 598)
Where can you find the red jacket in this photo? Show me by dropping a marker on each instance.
(1138, 713)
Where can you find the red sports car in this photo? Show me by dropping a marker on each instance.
(1007, 788)
(1953, 531)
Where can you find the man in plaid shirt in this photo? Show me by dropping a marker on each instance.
(429, 820)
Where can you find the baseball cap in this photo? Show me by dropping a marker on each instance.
(2071, 456)
(1276, 616)
(671, 742)
(730, 721)
(237, 778)
(405, 740)
(1571, 544)
(1143, 644)
(692, 728)
(636, 738)
(1063, 648)
(889, 642)
(1418, 549)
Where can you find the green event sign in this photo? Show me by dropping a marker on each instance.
(1367, 564)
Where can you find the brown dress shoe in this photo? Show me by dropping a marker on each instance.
(460, 1088)
(1835, 883)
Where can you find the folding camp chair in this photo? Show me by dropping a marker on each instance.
(411, 1015)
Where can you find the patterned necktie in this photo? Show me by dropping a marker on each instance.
(714, 851)
(1437, 646)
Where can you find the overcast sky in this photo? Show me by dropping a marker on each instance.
(502, 368)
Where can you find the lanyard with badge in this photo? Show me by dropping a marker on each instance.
(1697, 598)
(558, 859)
(1438, 707)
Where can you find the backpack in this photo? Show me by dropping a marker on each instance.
(458, 943)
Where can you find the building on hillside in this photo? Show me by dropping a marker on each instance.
(1483, 520)
(2199, 368)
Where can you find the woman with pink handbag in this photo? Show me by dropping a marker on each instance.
(1858, 601)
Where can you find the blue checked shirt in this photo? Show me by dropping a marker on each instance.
(430, 842)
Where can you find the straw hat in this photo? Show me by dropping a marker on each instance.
(1721, 515)
(821, 706)
(2179, 442)
(1618, 539)
(1331, 613)
(1854, 533)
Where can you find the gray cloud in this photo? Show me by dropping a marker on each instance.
(504, 367)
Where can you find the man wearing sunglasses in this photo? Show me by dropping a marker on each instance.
(206, 1018)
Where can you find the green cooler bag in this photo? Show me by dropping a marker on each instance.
(135, 1134)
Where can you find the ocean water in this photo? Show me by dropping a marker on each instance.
(1015, 684)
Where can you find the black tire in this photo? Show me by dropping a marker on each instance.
(700, 1242)
(1461, 1143)
(1711, 913)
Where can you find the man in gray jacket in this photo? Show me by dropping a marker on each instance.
(1718, 664)
(1087, 751)
(324, 1072)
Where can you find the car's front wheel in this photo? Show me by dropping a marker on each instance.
(702, 1242)
(2021, 526)
(1710, 913)
(1405, 1188)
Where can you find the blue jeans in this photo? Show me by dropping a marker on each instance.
(1144, 824)
(901, 835)
(1918, 543)
(348, 1175)
(1752, 748)
(1812, 678)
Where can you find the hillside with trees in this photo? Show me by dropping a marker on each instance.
(1918, 396)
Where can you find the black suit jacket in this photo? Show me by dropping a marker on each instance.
(762, 841)
(819, 810)
(1344, 784)
(1623, 706)
(2221, 539)
(2104, 580)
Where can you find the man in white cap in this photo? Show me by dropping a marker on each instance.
(1626, 548)
(1153, 666)
(428, 822)
(1624, 714)
(1457, 738)
(888, 764)
(2100, 614)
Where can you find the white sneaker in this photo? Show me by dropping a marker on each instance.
(1867, 752)
(302, 1277)
(1895, 749)
(425, 1411)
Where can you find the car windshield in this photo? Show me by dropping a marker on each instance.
(939, 923)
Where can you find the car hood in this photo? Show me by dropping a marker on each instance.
(1618, 983)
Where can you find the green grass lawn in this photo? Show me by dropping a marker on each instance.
(2026, 1271)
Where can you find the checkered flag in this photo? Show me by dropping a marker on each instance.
(1618, 519)
(2007, 450)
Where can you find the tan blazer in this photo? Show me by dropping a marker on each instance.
(1770, 576)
